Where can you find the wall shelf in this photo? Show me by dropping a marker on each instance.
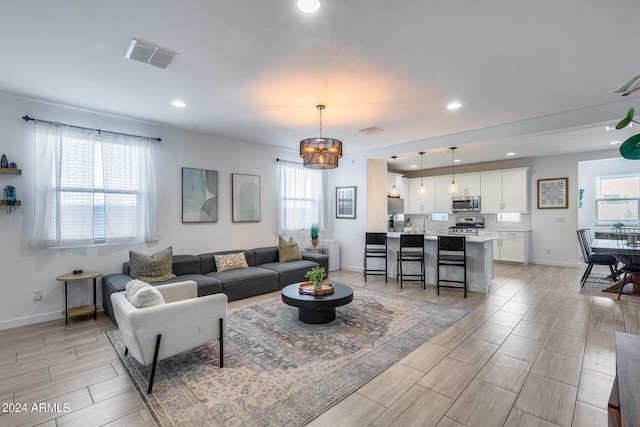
(4, 203)
(11, 171)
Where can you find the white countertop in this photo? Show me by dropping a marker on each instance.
(470, 239)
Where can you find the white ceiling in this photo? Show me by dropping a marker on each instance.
(534, 78)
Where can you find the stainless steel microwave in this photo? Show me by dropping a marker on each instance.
(465, 204)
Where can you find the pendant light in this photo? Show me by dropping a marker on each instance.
(394, 190)
(453, 188)
(320, 153)
(421, 190)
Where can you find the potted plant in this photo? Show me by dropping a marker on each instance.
(314, 234)
(316, 276)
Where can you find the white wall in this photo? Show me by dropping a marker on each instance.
(25, 269)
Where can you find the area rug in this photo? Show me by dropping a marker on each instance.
(281, 372)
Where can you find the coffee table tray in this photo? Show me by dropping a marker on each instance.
(307, 288)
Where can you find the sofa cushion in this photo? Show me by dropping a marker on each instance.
(288, 250)
(151, 268)
(230, 261)
(208, 264)
(290, 272)
(141, 294)
(246, 282)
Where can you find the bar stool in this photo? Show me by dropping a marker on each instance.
(375, 246)
(411, 250)
(452, 252)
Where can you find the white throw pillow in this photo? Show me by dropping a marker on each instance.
(141, 294)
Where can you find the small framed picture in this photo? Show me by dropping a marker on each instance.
(346, 202)
(552, 193)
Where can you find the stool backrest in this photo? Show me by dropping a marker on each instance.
(411, 241)
(451, 243)
(376, 239)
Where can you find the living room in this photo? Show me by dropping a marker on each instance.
(27, 269)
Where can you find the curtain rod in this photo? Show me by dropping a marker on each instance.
(288, 161)
(27, 118)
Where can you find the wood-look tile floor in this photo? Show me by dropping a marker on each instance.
(537, 351)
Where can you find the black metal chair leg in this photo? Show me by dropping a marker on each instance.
(126, 351)
(221, 339)
(155, 363)
(624, 280)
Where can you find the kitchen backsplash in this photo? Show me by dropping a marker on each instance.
(418, 221)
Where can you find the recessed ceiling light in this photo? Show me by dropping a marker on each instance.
(511, 154)
(615, 142)
(456, 161)
(414, 166)
(178, 103)
(454, 105)
(308, 6)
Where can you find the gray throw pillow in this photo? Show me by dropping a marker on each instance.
(288, 251)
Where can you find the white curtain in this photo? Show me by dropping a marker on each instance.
(92, 187)
(300, 198)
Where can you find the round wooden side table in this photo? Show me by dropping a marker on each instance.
(82, 309)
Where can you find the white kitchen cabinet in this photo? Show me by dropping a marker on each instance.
(511, 246)
(420, 203)
(442, 196)
(467, 185)
(504, 191)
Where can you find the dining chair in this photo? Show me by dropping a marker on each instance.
(375, 246)
(591, 259)
(628, 240)
(411, 250)
(452, 253)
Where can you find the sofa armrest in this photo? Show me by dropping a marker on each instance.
(321, 259)
(178, 291)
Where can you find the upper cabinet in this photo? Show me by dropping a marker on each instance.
(442, 195)
(504, 191)
(467, 185)
(420, 203)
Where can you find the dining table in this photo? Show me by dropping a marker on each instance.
(612, 246)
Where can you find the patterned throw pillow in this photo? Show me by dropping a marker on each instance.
(288, 251)
(151, 269)
(231, 261)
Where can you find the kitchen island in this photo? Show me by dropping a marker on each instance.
(479, 261)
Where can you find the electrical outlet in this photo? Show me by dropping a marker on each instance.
(37, 294)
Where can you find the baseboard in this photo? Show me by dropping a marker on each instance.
(556, 264)
(32, 320)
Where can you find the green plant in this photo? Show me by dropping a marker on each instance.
(314, 231)
(630, 149)
(316, 275)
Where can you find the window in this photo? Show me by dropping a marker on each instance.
(300, 197)
(92, 187)
(438, 217)
(617, 198)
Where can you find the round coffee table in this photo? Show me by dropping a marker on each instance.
(317, 309)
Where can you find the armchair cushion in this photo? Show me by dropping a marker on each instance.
(141, 294)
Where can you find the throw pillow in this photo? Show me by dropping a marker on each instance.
(288, 251)
(141, 294)
(151, 269)
(230, 261)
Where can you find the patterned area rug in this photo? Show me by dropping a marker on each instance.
(279, 371)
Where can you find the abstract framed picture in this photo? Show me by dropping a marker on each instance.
(552, 193)
(199, 195)
(346, 202)
(245, 197)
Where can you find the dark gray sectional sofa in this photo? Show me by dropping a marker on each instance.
(264, 274)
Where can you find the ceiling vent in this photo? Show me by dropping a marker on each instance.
(149, 54)
(371, 131)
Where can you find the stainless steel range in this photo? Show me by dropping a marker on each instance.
(467, 225)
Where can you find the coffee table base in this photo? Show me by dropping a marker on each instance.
(317, 317)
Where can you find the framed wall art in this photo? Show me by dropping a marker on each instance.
(245, 197)
(199, 195)
(552, 193)
(346, 202)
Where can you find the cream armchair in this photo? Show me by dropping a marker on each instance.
(183, 322)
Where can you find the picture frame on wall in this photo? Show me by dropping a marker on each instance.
(552, 193)
(346, 202)
(245, 197)
(199, 195)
